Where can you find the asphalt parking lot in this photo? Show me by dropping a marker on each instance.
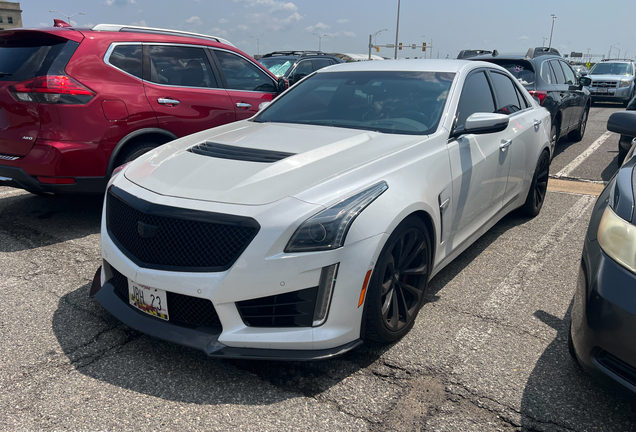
(488, 351)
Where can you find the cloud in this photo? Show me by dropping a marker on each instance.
(89, 25)
(195, 20)
(44, 25)
(349, 34)
(141, 23)
(223, 20)
(319, 26)
(120, 3)
(271, 4)
(73, 23)
(522, 38)
(242, 27)
(342, 21)
(217, 32)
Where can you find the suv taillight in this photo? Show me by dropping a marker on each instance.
(541, 95)
(52, 89)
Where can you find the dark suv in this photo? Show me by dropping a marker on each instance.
(295, 65)
(75, 102)
(551, 80)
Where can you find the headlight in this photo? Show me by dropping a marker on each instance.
(617, 238)
(625, 83)
(328, 229)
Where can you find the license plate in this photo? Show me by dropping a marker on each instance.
(602, 90)
(152, 301)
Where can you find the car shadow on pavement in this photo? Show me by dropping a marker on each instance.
(560, 393)
(100, 347)
(30, 221)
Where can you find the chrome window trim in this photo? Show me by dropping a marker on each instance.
(109, 52)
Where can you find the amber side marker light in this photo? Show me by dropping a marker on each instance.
(364, 287)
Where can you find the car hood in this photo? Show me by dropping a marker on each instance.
(319, 153)
(609, 77)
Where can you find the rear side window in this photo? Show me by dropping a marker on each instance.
(547, 74)
(558, 72)
(241, 74)
(127, 58)
(507, 100)
(27, 57)
(476, 97)
(321, 63)
(180, 66)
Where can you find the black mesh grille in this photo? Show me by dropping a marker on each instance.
(154, 240)
(182, 309)
(293, 309)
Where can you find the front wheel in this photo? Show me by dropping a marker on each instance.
(538, 187)
(397, 286)
(577, 135)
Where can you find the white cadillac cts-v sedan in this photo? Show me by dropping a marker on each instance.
(318, 223)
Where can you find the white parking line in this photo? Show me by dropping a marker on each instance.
(565, 172)
(511, 288)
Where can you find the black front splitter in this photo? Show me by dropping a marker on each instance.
(202, 338)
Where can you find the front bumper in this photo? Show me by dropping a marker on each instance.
(618, 94)
(205, 339)
(604, 318)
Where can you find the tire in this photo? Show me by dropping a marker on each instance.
(538, 187)
(554, 134)
(133, 152)
(577, 135)
(398, 284)
(571, 349)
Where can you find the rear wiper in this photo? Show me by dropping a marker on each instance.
(4, 74)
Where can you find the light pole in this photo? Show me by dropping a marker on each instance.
(397, 30)
(68, 17)
(552, 31)
(371, 38)
(258, 47)
(544, 39)
(319, 40)
(609, 54)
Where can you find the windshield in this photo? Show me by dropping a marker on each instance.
(387, 102)
(612, 69)
(522, 70)
(277, 66)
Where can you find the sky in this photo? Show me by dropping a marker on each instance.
(261, 26)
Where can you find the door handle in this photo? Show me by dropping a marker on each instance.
(243, 105)
(168, 101)
(537, 122)
(504, 145)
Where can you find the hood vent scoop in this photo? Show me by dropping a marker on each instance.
(223, 151)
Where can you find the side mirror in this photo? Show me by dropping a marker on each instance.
(622, 122)
(483, 123)
(281, 85)
(585, 81)
(264, 105)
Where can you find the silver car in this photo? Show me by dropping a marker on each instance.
(613, 80)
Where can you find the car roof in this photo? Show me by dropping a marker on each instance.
(513, 56)
(420, 65)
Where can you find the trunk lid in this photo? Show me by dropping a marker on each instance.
(24, 55)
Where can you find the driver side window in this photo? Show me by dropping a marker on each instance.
(476, 97)
(240, 74)
(302, 69)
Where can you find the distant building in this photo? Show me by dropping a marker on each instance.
(10, 15)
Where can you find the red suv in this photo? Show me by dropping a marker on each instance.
(76, 103)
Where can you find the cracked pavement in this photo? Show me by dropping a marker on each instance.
(488, 351)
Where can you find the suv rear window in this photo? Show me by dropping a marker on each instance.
(277, 66)
(520, 69)
(23, 58)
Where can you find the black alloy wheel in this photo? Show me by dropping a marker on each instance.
(399, 281)
(538, 187)
(554, 135)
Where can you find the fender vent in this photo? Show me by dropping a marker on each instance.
(223, 151)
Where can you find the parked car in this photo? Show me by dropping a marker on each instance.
(549, 78)
(625, 141)
(76, 102)
(604, 309)
(613, 81)
(295, 65)
(580, 70)
(318, 223)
